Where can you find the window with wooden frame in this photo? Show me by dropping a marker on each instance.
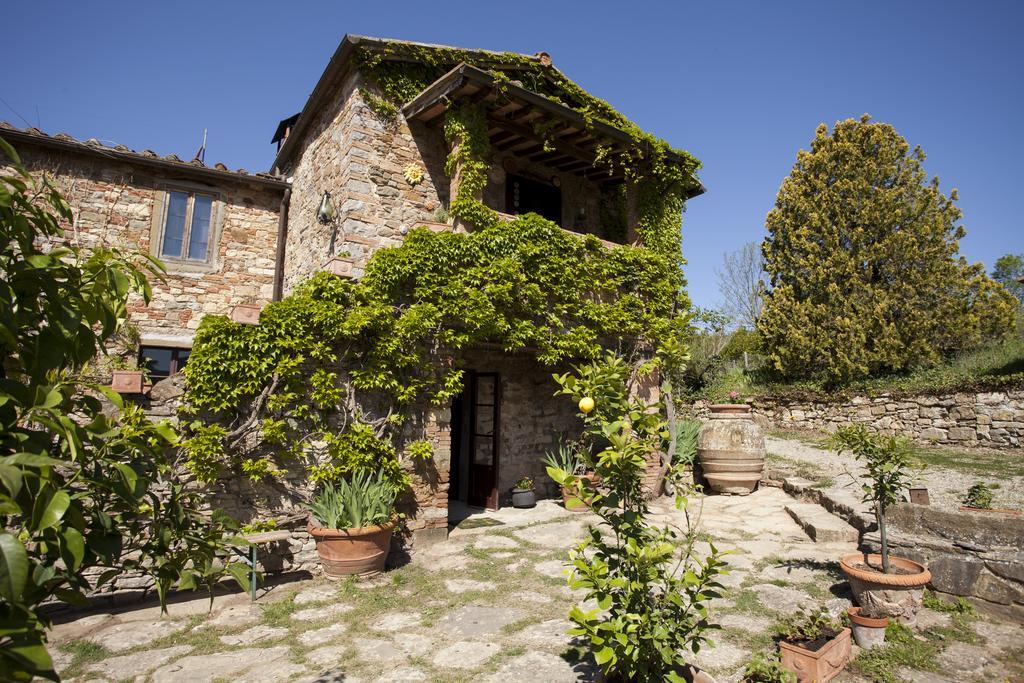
(162, 361)
(187, 228)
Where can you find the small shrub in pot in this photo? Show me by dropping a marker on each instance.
(523, 495)
(813, 645)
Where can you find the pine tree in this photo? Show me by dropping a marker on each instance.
(864, 272)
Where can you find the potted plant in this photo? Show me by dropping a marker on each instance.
(569, 458)
(126, 376)
(523, 495)
(813, 645)
(883, 586)
(867, 631)
(979, 499)
(765, 667)
(352, 524)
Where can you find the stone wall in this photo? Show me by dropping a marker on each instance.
(113, 204)
(975, 555)
(361, 161)
(994, 419)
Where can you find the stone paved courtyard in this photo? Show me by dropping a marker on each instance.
(490, 604)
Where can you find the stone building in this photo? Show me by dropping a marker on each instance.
(347, 182)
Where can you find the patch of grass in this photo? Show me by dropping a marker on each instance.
(279, 613)
(748, 603)
(975, 462)
(83, 652)
(902, 649)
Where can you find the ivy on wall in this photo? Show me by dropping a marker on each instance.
(333, 375)
(401, 71)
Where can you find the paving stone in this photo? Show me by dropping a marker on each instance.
(397, 621)
(547, 634)
(254, 635)
(544, 667)
(743, 622)
(378, 650)
(323, 593)
(80, 628)
(822, 526)
(404, 674)
(927, 619)
(130, 666)
(997, 635)
(275, 672)
(554, 535)
(323, 635)
(328, 656)
(791, 572)
(414, 644)
(324, 612)
(495, 542)
(466, 585)
(531, 596)
(465, 654)
(502, 556)
(233, 616)
(914, 676)
(723, 655)
(778, 598)
(554, 568)
(962, 658)
(447, 563)
(125, 636)
(478, 620)
(220, 665)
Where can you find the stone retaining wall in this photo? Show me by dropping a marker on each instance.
(975, 555)
(994, 419)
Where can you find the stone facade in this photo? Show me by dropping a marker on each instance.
(971, 554)
(114, 204)
(994, 419)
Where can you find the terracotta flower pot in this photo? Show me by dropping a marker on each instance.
(730, 449)
(583, 505)
(352, 552)
(820, 665)
(896, 595)
(867, 632)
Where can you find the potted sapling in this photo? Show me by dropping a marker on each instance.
(352, 524)
(813, 645)
(523, 495)
(979, 499)
(883, 585)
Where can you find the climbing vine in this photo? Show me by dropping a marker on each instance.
(332, 375)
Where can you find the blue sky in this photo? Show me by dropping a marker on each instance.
(742, 85)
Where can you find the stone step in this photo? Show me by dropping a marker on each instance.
(821, 525)
(843, 503)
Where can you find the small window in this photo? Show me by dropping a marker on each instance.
(162, 361)
(186, 230)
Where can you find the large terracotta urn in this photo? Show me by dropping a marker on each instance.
(730, 448)
(352, 552)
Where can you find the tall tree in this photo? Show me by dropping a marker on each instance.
(1008, 271)
(740, 284)
(862, 256)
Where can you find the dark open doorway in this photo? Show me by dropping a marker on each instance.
(476, 414)
(523, 195)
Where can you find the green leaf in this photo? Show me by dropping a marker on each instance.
(54, 510)
(13, 568)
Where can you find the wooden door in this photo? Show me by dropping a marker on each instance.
(485, 415)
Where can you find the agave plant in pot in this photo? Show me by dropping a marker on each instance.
(569, 458)
(884, 586)
(352, 524)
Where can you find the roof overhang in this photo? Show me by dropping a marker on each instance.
(531, 125)
(180, 169)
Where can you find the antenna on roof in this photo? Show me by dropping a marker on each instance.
(201, 152)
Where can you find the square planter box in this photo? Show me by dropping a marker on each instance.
(343, 267)
(820, 666)
(247, 314)
(127, 381)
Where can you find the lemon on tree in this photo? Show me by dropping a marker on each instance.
(586, 404)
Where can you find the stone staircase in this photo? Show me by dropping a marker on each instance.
(827, 515)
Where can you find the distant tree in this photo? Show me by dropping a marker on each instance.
(1008, 271)
(862, 255)
(740, 283)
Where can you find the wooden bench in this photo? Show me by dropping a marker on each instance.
(251, 557)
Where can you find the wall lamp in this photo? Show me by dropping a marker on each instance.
(325, 214)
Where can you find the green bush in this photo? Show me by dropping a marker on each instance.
(980, 495)
(766, 668)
